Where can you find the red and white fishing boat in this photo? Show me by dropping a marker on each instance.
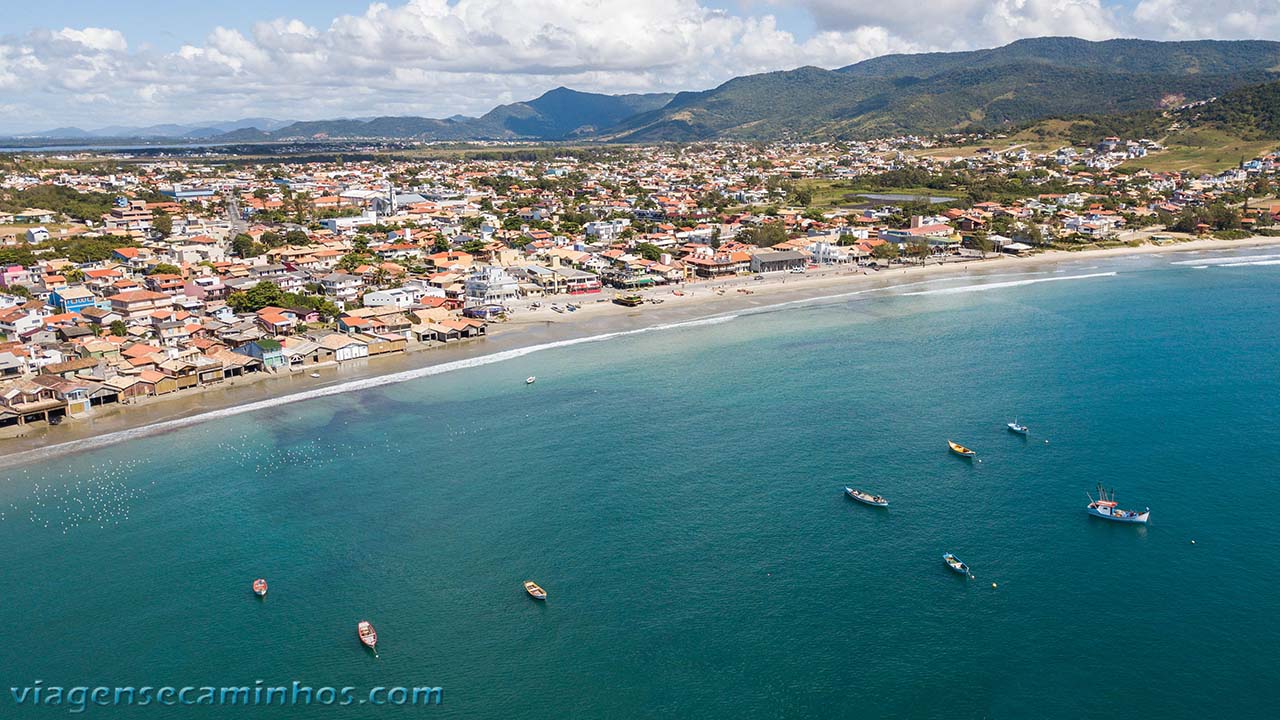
(367, 634)
(260, 587)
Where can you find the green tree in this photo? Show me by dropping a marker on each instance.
(351, 261)
(1031, 234)
(918, 248)
(243, 245)
(256, 297)
(119, 329)
(764, 235)
(296, 237)
(164, 269)
(649, 251)
(982, 241)
(162, 223)
(886, 251)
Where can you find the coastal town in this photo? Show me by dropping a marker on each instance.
(124, 278)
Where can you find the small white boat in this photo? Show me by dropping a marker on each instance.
(866, 498)
(315, 375)
(1017, 427)
(530, 380)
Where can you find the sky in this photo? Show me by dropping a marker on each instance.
(95, 63)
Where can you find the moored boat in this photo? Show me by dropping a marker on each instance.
(866, 498)
(368, 636)
(1104, 506)
(954, 563)
(1017, 427)
(960, 450)
(315, 374)
(530, 380)
(536, 592)
(260, 587)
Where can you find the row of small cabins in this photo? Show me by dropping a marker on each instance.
(123, 374)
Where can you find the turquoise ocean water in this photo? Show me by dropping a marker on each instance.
(678, 493)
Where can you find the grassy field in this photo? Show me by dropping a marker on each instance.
(840, 193)
(1203, 151)
(8, 231)
(1194, 150)
(1045, 137)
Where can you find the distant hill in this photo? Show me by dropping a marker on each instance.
(556, 115)
(171, 130)
(1151, 57)
(1248, 113)
(939, 92)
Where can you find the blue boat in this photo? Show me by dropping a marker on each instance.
(954, 563)
(1104, 506)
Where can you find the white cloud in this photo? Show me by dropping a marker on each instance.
(440, 57)
(1223, 19)
(971, 23)
(95, 38)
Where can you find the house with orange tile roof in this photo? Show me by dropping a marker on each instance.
(138, 304)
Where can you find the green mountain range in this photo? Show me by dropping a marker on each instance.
(941, 92)
(559, 114)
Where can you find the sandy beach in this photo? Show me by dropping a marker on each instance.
(527, 329)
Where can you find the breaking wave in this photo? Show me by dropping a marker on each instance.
(1009, 284)
(1233, 260)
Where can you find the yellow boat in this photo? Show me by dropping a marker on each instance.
(534, 591)
(960, 450)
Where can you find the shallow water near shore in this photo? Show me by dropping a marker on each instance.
(678, 493)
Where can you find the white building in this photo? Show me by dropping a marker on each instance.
(607, 230)
(491, 286)
(345, 224)
(343, 288)
(410, 294)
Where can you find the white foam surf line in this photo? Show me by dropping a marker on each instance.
(824, 299)
(1251, 264)
(346, 387)
(1229, 260)
(1011, 283)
